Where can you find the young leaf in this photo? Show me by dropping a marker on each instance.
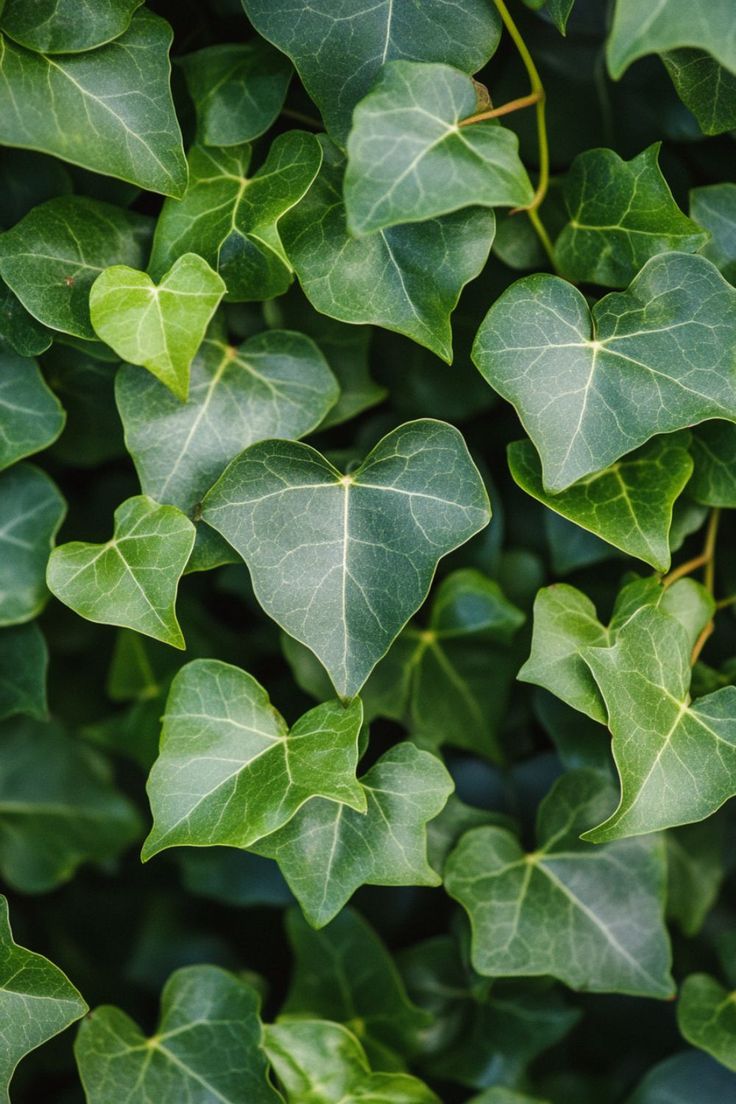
(229, 769)
(339, 58)
(24, 660)
(706, 1017)
(160, 327)
(37, 1001)
(349, 558)
(704, 24)
(232, 220)
(591, 386)
(606, 902)
(31, 511)
(409, 159)
(132, 579)
(109, 109)
(382, 278)
(208, 1046)
(31, 416)
(60, 27)
(621, 214)
(328, 850)
(714, 207)
(629, 504)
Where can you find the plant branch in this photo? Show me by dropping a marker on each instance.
(504, 109)
(300, 117)
(705, 559)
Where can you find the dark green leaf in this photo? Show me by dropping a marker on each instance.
(31, 511)
(23, 662)
(65, 26)
(706, 1016)
(31, 416)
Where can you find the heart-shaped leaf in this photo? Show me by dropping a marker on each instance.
(341, 562)
(31, 416)
(160, 327)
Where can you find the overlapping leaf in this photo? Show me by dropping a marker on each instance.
(705, 87)
(31, 511)
(706, 1016)
(703, 24)
(23, 662)
(66, 26)
(31, 416)
(714, 208)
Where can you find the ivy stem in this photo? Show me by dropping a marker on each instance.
(301, 117)
(723, 603)
(706, 558)
(504, 109)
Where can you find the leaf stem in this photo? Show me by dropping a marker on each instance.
(300, 117)
(724, 603)
(700, 642)
(705, 559)
(504, 109)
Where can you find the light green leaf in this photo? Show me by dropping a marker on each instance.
(706, 1017)
(52, 257)
(324, 1063)
(232, 220)
(108, 110)
(349, 558)
(676, 761)
(31, 511)
(54, 819)
(705, 87)
(409, 159)
(159, 327)
(591, 386)
(131, 580)
(382, 278)
(714, 207)
(714, 452)
(621, 213)
(66, 26)
(19, 328)
(328, 850)
(230, 770)
(31, 416)
(605, 902)
(629, 504)
(207, 1048)
(37, 1001)
(695, 872)
(24, 659)
(238, 90)
(338, 49)
(703, 24)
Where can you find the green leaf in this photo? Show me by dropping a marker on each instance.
(621, 213)
(409, 159)
(86, 386)
(37, 1001)
(349, 558)
(382, 278)
(345, 973)
(60, 27)
(706, 1017)
(705, 87)
(714, 452)
(208, 1046)
(328, 850)
(338, 59)
(605, 902)
(703, 24)
(714, 208)
(676, 761)
(230, 771)
(20, 329)
(232, 220)
(31, 416)
(52, 257)
(684, 1078)
(108, 110)
(629, 504)
(23, 662)
(132, 579)
(499, 1095)
(695, 872)
(238, 90)
(159, 327)
(31, 511)
(54, 819)
(591, 386)
(324, 1063)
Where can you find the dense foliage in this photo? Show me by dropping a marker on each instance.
(367, 468)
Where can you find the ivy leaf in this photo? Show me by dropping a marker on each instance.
(19, 328)
(714, 207)
(714, 452)
(31, 511)
(37, 1001)
(409, 159)
(328, 850)
(655, 358)
(703, 24)
(683, 1078)
(54, 819)
(629, 504)
(86, 386)
(238, 90)
(232, 220)
(160, 327)
(108, 110)
(52, 257)
(621, 213)
(132, 579)
(229, 769)
(58, 26)
(676, 761)
(606, 902)
(208, 1046)
(324, 1063)
(24, 659)
(705, 87)
(338, 59)
(695, 872)
(706, 1017)
(31, 416)
(345, 973)
(382, 278)
(349, 558)
(499, 1095)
